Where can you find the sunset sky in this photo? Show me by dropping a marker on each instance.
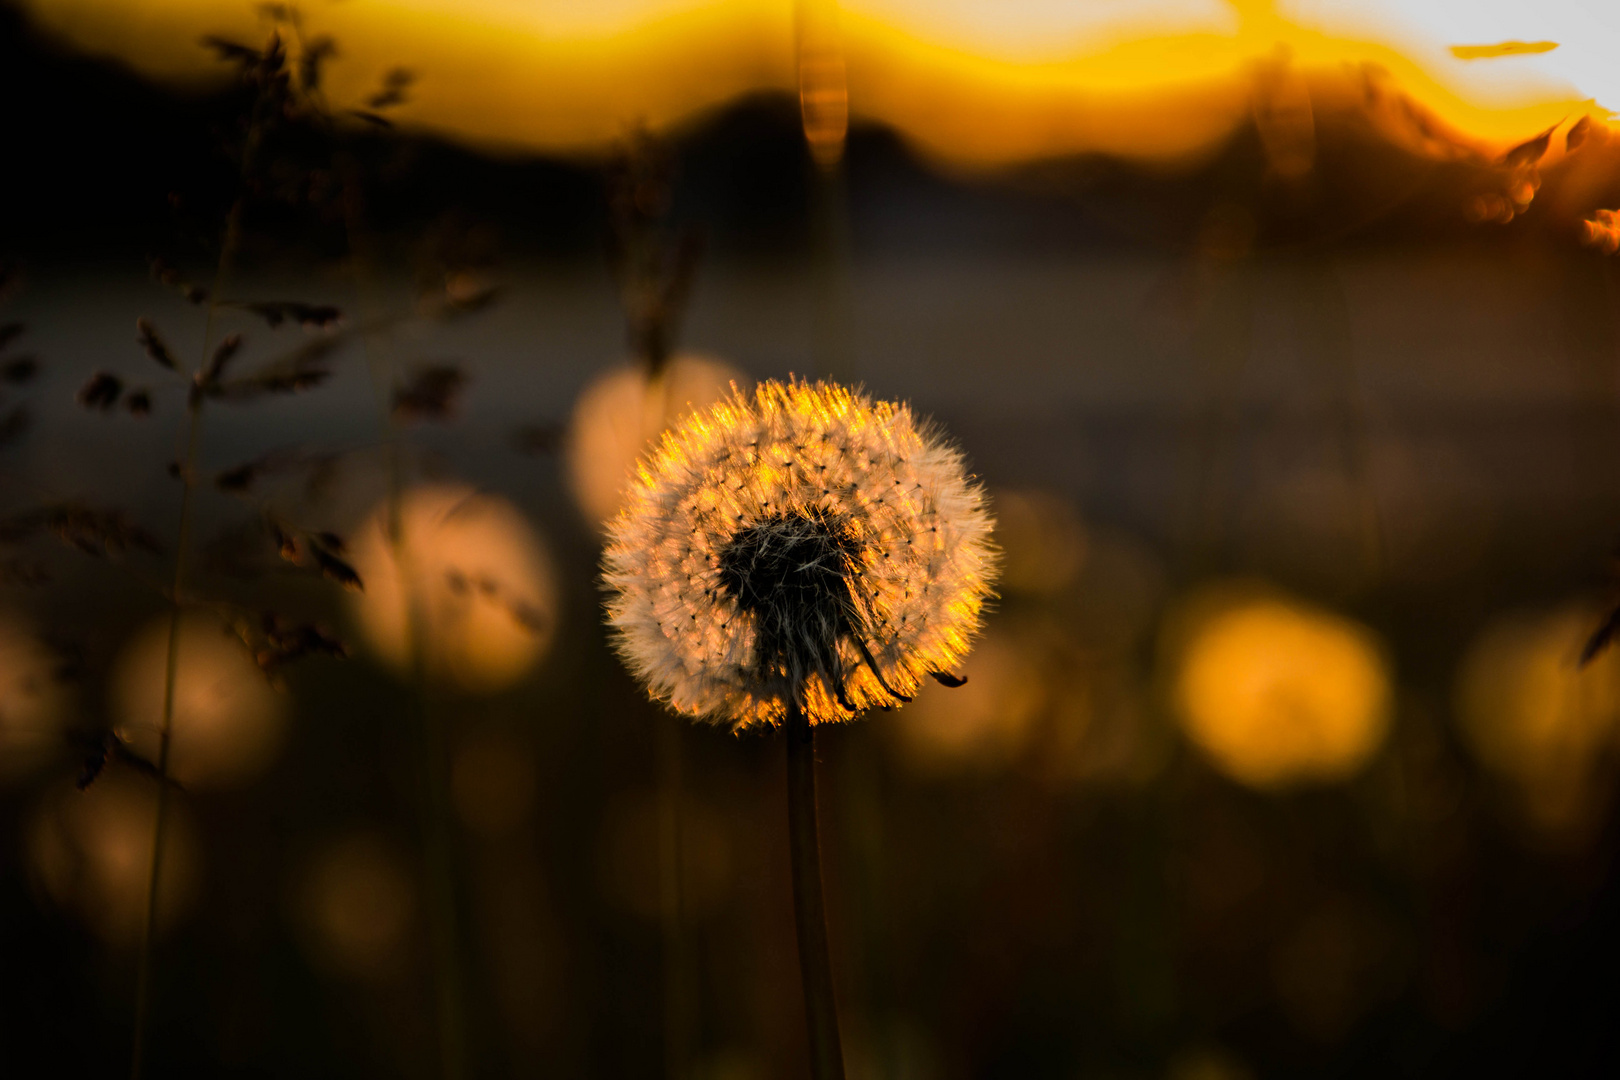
(968, 81)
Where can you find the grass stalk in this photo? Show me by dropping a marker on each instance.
(437, 846)
(809, 907)
(677, 966)
(171, 668)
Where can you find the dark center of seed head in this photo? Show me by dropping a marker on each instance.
(793, 573)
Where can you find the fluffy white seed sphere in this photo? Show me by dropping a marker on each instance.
(905, 545)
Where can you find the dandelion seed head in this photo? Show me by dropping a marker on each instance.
(800, 542)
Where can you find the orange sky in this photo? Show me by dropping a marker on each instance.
(501, 72)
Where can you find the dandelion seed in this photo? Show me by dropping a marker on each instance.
(800, 546)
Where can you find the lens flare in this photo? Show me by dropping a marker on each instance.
(473, 571)
(1534, 716)
(622, 413)
(228, 723)
(32, 700)
(1277, 692)
(92, 851)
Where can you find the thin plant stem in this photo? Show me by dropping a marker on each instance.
(809, 908)
(438, 861)
(171, 670)
(677, 1012)
(143, 971)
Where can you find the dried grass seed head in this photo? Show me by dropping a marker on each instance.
(800, 542)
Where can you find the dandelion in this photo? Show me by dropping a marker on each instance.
(792, 558)
(807, 548)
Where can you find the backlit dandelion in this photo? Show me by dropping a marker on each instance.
(803, 546)
(790, 558)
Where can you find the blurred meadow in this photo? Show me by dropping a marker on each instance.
(330, 334)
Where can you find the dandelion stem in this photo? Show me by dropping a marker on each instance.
(809, 909)
(676, 962)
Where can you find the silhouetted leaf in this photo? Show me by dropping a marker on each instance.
(372, 118)
(15, 425)
(231, 51)
(19, 370)
(302, 369)
(24, 572)
(537, 438)
(1601, 637)
(154, 344)
(331, 541)
(92, 531)
(228, 347)
(240, 478)
(98, 748)
(1578, 131)
(139, 403)
(101, 392)
(1529, 152)
(168, 275)
(335, 569)
(316, 52)
(276, 642)
(527, 616)
(952, 681)
(431, 393)
(276, 312)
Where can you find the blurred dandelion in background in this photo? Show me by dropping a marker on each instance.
(228, 723)
(481, 577)
(1537, 718)
(1276, 691)
(356, 903)
(622, 414)
(92, 852)
(33, 702)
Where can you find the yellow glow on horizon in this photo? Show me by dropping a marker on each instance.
(1163, 85)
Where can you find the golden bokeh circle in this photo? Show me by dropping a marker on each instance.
(1275, 691)
(228, 723)
(622, 412)
(476, 574)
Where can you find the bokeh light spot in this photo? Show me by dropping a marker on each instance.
(619, 416)
(228, 723)
(92, 851)
(32, 701)
(357, 903)
(1275, 691)
(478, 576)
